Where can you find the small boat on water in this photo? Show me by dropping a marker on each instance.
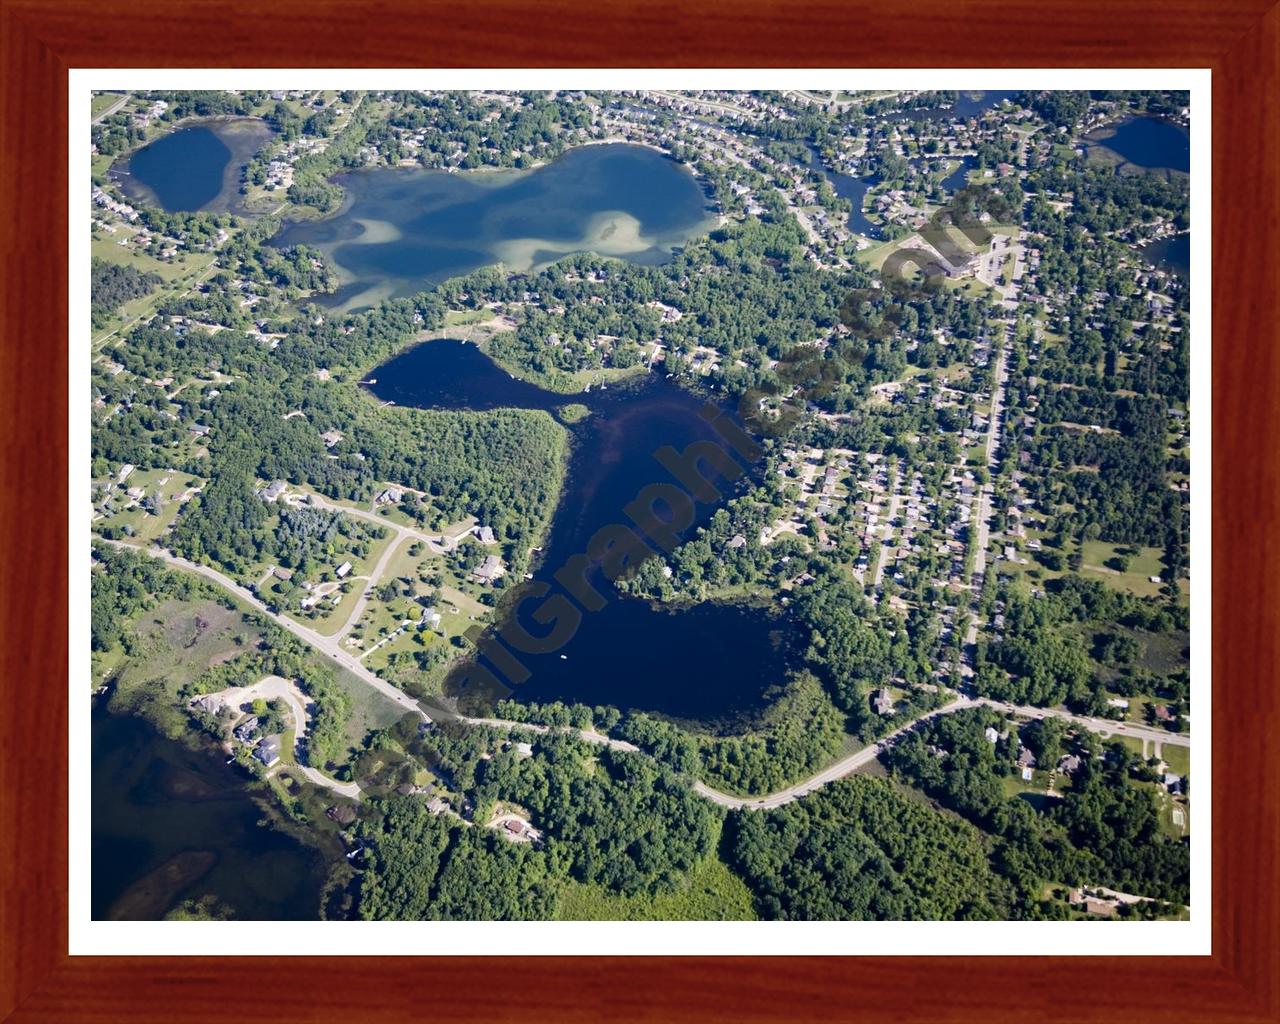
(564, 657)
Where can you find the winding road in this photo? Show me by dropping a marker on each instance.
(845, 766)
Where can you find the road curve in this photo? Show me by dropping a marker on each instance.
(838, 770)
(845, 766)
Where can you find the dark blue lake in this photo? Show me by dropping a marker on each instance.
(957, 178)
(972, 103)
(846, 186)
(171, 823)
(194, 168)
(403, 230)
(709, 663)
(1151, 143)
(1173, 253)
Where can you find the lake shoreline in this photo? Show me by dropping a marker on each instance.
(620, 200)
(227, 200)
(191, 864)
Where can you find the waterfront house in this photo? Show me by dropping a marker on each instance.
(268, 751)
(488, 570)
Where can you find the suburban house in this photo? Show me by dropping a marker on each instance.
(209, 703)
(391, 496)
(488, 570)
(268, 751)
(882, 702)
(342, 570)
(272, 491)
(331, 437)
(343, 814)
(484, 534)
(245, 731)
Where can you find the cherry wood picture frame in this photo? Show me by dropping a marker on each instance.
(41, 39)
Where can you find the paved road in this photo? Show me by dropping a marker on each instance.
(890, 539)
(431, 541)
(590, 735)
(113, 108)
(983, 515)
(400, 533)
(831, 773)
(850, 764)
(348, 789)
(271, 688)
(1103, 726)
(326, 645)
(843, 767)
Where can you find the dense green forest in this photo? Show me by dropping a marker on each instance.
(858, 850)
(419, 867)
(800, 731)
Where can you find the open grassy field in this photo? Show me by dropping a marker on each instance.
(186, 270)
(1177, 758)
(176, 642)
(875, 255)
(108, 247)
(459, 317)
(711, 892)
(103, 101)
(370, 710)
(1136, 579)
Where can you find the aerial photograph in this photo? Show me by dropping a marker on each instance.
(666, 505)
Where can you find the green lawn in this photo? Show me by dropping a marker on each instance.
(1136, 579)
(370, 710)
(165, 485)
(327, 618)
(103, 101)
(107, 247)
(459, 317)
(1006, 274)
(1177, 758)
(179, 275)
(875, 256)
